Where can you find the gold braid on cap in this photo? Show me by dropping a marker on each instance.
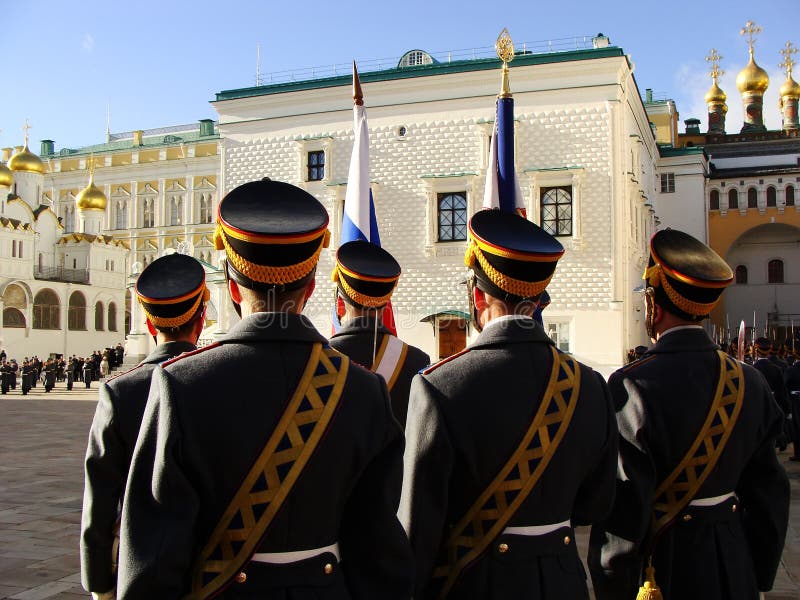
(517, 287)
(355, 296)
(171, 322)
(656, 278)
(264, 273)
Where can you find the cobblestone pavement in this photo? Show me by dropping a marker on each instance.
(42, 444)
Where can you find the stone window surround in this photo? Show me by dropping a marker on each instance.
(542, 179)
(466, 183)
(314, 144)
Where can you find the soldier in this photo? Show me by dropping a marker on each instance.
(5, 377)
(367, 276)
(173, 295)
(27, 376)
(266, 479)
(701, 497)
(773, 373)
(510, 443)
(88, 367)
(49, 374)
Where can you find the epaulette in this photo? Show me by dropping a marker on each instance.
(131, 370)
(637, 363)
(190, 353)
(443, 361)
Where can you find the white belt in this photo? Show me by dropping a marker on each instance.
(534, 530)
(282, 558)
(712, 501)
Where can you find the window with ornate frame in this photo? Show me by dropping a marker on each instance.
(452, 213)
(568, 180)
(556, 210)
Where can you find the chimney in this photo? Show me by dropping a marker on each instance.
(206, 127)
(47, 148)
(137, 137)
(692, 126)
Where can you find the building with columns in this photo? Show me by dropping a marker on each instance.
(60, 292)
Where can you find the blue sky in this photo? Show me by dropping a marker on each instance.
(160, 63)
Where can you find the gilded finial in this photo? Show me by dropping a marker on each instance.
(358, 95)
(751, 30)
(504, 46)
(788, 61)
(714, 59)
(26, 128)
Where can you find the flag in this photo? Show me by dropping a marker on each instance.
(358, 218)
(502, 186)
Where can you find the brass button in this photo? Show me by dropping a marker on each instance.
(687, 517)
(567, 540)
(502, 548)
(241, 577)
(328, 568)
(733, 508)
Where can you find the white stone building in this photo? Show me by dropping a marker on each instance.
(584, 147)
(60, 293)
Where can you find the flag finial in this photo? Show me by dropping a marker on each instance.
(504, 46)
(358, 95)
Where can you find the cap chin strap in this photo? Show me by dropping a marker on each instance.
(473, 309)
(650, 312)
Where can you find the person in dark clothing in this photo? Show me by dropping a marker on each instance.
(773, 373)
(792, 380)
(172, 292)
(701, 497)
(367, 276)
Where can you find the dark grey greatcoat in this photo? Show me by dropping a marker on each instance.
(716, 553)
(466, 418)
(357, 340)
(112, 437)
(208, 417)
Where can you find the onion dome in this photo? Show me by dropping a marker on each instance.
(715, 95)
(789, 89)
(91, 197)
(25, 160)
(752, 78)
(6, 176)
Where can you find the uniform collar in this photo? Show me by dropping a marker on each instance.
(511, 329)
(274, 326)
(166, 351)
(687, 338)
(361, 325)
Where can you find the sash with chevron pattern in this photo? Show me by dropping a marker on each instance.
(677, 490)
(494, 508)
(263, 491)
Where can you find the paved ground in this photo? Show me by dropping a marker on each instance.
(42, 443)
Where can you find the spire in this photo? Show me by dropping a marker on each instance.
(358, 95)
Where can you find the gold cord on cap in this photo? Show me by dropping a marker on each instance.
(265, 273)
(355, 296)
(656, 278)
(170, 322)
(517, 287)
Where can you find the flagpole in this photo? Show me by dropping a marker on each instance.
(506, 178)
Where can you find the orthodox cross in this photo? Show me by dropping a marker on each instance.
(788, 60)
(714, 59)
(751, 30)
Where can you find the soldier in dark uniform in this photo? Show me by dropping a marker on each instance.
(260, 482)
(474, 438)
(700, 491)
(173, 295)
(367, 276)
(14, 371)
(88, 368)
(49, 374)
(5, 377)
(27, 375)
(773, 372)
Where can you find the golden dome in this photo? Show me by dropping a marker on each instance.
(752, 78)
(6, 176)
(789, 89)
(91, 197)
(25, 160)
(715, 94)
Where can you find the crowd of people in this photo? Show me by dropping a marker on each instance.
(33, 371)
(348, 469)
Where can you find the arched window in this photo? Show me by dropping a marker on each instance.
(13, 318)
(752, 198)
(46, 310)
(112, 316)
(147, 212)
(713, 201)
(176, 211)
(789, 195)
(733, 199)
(556, 205)
(122, 221)
(772, 196)
(775, 271)
(76, 314)
(741, 274)
(99, 314)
